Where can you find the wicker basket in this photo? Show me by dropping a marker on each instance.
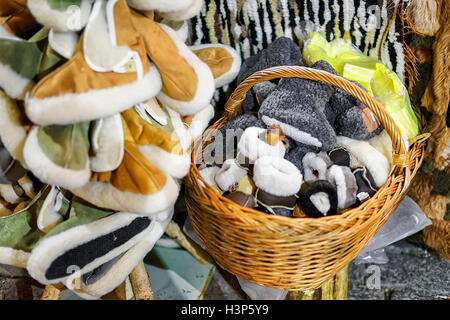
(294, 253)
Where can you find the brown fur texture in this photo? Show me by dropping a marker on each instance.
(434, 205)
(424, 16)
(437, 236)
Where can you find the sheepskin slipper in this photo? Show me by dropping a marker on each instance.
(63, 43)
(84, 248)
(137, 185)
(315, 166)
(187, 82)
(153, 130)
(224, 61)
(61, 15)
(209, 174)
(97, 84)
(253, 145)
(345, 182)
(107, 144)
(365, 182)
(278, 181)
(19, 63)
(229, 175)
(319, 199)
(111, 274)
(59, 155)
(369, 157)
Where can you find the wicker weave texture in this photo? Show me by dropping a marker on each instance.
(293, 253)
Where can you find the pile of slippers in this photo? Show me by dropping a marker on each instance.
(301, 148)
(99, 104)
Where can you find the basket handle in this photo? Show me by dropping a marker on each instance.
(233, 107)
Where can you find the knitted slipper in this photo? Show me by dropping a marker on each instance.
(319, 199)
(156, 139)
(90, 89)
(107, 144)
(19, 63)
(345, 182)
(61, 15)
(111, 274)
(295, 107)
(59, 155)
(369, 157)
(136, 186)
(278, 182)
(188, 83)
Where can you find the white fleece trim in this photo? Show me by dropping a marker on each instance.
(125, 265)
(183, 32)
(312, 162)
(12, 82)
(321, 201)
(208, 174)
(383, 143)
(108, 144)
(73, 19)
(172, 164)
(197, 127)
(47, 171)
(93, 104)
(105, 195)
(99, 43)
(13, 257)
(48, 216)
(293, 132)
(27, 185)
(12, 134)
(231, 74)
(64, 43)
(371, 158)
(251, 146)
(8, 194)
(229, 174)
(205, 86)
(191, 11)
(48, 249)
(277, 176)
(160, 5)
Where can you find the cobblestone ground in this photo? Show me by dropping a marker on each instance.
(412, 273)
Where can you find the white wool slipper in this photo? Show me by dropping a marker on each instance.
(74, 18)
(229, 174)
(84, 248)
(208, 174)
(277, 176)
(205, 86)
(107, 144)
(252, 146)
(315, 166)
(371, 158)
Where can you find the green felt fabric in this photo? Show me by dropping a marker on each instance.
(67, 146)
(22, 56)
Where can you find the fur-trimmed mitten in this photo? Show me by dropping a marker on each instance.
(278, 182)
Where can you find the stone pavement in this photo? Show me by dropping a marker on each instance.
(412, 273)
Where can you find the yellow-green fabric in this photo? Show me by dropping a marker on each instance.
(380, 82)
(22, 56)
